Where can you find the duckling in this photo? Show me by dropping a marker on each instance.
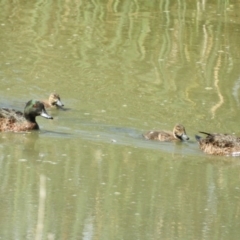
(53, 101)
(178, 134)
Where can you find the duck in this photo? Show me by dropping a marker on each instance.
(178, 134)
(15, 121)
(53, 101)
(219, 144)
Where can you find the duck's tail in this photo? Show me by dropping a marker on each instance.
(206, 133)
(198, 138)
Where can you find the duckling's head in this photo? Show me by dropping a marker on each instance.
(54, 100)
(180, 133)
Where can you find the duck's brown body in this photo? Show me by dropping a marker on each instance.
(12, 120)
(16, 121)
(219, 144)
(178, 134)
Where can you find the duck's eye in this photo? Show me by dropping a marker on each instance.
(36, 105)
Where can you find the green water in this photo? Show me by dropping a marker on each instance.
(121, 68)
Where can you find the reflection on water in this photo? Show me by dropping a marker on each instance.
(122, 68)
(99, 185)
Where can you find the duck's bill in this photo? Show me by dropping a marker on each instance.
(59, 103)
(45, 115)
(184, 137)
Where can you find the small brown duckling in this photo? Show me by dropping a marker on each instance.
(53, 101)
(178, 134)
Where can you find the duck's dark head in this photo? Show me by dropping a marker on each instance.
(35, 108)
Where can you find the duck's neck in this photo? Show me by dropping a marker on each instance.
(30, 117)
(50, 103)
(177, 137)
(32, 120)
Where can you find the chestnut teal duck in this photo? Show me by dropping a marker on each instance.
(15, 121)
(53, 101)
(219, 144)
(178, 134)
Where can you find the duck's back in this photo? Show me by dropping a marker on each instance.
(221, 140)
(47, 104)
(163, 136)
(220, 144)
(13, 120)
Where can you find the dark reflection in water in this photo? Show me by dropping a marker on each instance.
(122, 68)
